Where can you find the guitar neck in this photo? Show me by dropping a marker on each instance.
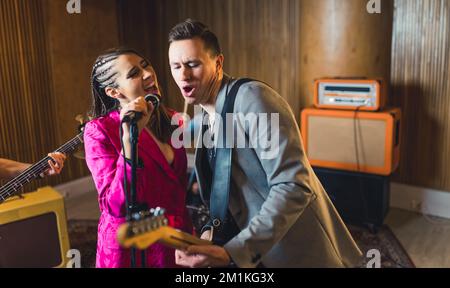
(33, 172)
(180, 240)
(166, 235)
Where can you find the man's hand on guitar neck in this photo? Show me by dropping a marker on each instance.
(57, 165)
(10, 169)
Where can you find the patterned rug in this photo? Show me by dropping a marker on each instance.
(83, 236)
(391, 251)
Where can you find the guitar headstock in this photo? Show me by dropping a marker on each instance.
(143, 230)
(82, 120)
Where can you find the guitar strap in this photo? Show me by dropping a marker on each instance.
(221, 180)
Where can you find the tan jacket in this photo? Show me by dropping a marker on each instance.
(285, 216)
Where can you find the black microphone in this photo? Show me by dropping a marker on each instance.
(152, 98)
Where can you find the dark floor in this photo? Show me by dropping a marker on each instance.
(424, 238)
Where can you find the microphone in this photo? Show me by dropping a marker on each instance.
(152, 98)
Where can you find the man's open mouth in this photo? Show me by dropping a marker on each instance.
(188, 91)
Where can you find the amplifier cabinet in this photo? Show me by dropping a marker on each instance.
(33, 230)
(367, 142)
(361, 199)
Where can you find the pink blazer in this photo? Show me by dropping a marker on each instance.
(158, 184)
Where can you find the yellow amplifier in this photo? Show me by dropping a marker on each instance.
(33, 230)
(367, 142)
(349, 94)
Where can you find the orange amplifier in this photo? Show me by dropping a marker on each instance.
(366, 142)
(349, 94)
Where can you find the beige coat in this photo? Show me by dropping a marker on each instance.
(285, 216)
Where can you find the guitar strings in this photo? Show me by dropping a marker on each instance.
(36, 169)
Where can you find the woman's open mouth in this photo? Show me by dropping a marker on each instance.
(151, 90)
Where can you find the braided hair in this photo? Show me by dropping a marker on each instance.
(103, 75)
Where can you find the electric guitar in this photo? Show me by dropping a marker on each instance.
(15, 185)
(154, 228)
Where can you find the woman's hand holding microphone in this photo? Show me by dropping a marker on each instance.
(139, 105)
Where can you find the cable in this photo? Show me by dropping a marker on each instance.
(360, 182)
(358, 167)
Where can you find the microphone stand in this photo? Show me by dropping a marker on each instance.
(134, 209)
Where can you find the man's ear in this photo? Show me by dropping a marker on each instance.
(219, 62)
(113, 92)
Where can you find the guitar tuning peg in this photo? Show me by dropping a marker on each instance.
(148, 226)
(159, 211)
(135, 216)
(134, 230)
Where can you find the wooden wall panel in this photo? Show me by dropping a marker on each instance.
(27, 129)
(263, 39)
(46, 57)
(341, 39)
(74, 42)
(259, 39)
(421, 87)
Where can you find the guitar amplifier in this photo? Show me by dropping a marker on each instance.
(350, 94)
(33, 230)
(367, 142)
(361, 199)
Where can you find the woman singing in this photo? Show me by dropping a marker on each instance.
(120, 80)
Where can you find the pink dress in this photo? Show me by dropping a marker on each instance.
(159, 184)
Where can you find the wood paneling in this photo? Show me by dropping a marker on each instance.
(46, 56)
(259, 39)
(341, 39)
(421, 87)
(27, 126)
(74, 42)
(46, 59)
(266, 39)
